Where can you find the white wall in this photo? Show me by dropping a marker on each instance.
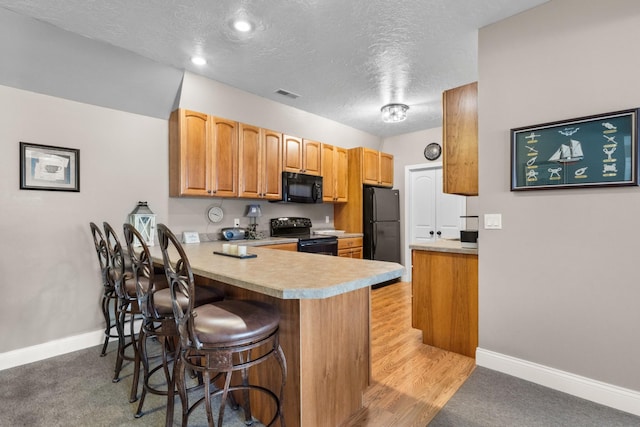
(559, 283)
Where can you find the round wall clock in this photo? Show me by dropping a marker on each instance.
(215, 214)
(432, 151)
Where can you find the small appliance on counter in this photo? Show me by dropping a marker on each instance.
(233, 233)
(469, 232)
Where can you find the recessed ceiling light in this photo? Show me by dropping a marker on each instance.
(198, 60)
(242, 25)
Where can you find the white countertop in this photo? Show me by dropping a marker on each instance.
(286, 274)
(444, 245)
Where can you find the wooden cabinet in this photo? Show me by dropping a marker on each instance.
(460, 140)
(203, 155)
(260, 163)
(335, 168)
(366, 166)
(445, 300)
(377, 168)
(283, 246)
(350, 247)
(301, 155)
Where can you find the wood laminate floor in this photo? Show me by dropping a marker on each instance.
(411, 381)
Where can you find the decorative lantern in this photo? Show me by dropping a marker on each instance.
(144, 221)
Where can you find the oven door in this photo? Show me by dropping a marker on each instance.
(319, 246)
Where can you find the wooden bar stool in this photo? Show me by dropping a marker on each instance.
(154, 300)
(218, 339)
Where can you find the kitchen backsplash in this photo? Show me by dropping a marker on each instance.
(190, 214)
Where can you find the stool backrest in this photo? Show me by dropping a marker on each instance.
(103, 254)
(181, 283)
(143, 271)
(116, 260)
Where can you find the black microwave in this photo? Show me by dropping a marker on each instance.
(301, 188)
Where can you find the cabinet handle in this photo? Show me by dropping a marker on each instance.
(431, 233)
(439, 233)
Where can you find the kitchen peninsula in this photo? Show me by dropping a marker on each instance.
(324, 302)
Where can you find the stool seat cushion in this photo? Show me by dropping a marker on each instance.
(234, 322)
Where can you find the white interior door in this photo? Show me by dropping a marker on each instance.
(449, 209)
(431, 214)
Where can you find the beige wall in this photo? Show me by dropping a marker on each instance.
(50, 280)
(559, 283)
(47, 260)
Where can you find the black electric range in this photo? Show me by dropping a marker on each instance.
(300, 228)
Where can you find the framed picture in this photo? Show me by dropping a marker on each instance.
(589, 151)
(44, 167)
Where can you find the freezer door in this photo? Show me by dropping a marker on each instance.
(386, 241)
(386, 204)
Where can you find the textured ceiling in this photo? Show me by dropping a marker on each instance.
(345, 58)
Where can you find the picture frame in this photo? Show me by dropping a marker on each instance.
(45, 167)
(591, 151)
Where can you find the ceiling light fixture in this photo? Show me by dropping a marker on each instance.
(393, 113)
(198, 60)
(242, 25)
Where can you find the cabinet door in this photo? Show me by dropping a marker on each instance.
(250, 165)
(311, 157)
(370, 166)
(341, 158)
(272, 164)
(386, 170)
(422, 209)
(292, 154)
(460, 140)
(224, 164)
(189, 154)
(328, 173)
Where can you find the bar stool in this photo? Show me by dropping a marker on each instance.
(154, 300)
(109, 297)
(220, 338)
(127, 311)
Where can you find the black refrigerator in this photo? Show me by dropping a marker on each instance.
(381, 217)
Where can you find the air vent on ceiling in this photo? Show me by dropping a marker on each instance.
(287, 94)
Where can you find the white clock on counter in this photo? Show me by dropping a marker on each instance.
(215, 214)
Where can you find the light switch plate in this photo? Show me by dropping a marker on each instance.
(493, 221)
(236, 222)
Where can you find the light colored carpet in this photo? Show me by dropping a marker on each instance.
(493, 399)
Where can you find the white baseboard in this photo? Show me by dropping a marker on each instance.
(22, 356)
(605, 394)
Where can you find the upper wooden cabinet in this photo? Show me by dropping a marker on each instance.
(260, 163)
(203, 155)
(366, 166)
(335, 166)
(460, 140)
(301, 155)
(377, 168)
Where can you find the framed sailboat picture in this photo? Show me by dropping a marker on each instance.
(589, 151)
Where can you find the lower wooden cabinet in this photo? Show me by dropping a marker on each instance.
(350, 247)
(445, 300)
(283, 246)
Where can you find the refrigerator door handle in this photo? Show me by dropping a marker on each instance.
(374, 211)
(374, 240)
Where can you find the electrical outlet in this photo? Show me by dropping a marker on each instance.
(236, 222)
(326, 219)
